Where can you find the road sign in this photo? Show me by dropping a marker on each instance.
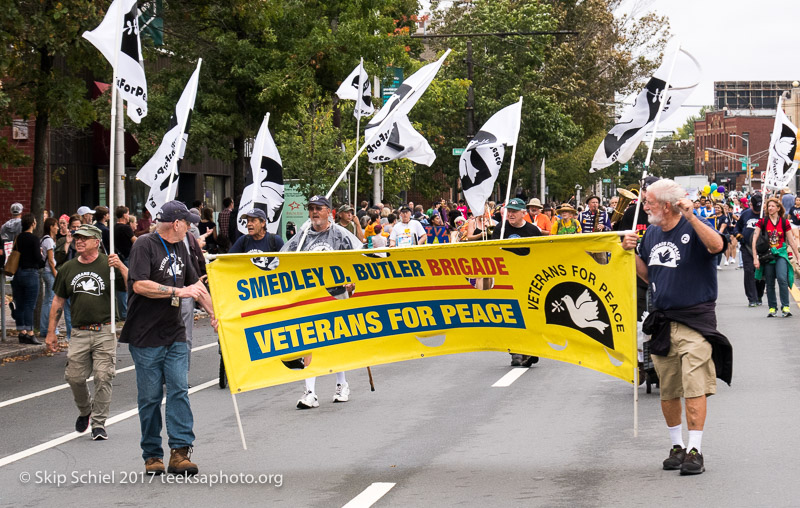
(763, 175)
(624, 168)
(458, 151)
(742, 159)
(753, 165)
(606, 180)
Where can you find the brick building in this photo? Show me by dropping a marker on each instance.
(20, 178)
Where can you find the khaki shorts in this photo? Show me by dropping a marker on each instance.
(688, 371)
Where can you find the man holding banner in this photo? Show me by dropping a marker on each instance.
(688, 352)
(160, 274)
(323, 235)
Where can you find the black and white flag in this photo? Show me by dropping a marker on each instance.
(621, 141)
(783, 154)
(398, 139)
(161, 172)
(480, 163)
(356, 87)
(264, 182)
(129, 70)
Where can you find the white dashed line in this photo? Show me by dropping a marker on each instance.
(510, 377)
(370, 495)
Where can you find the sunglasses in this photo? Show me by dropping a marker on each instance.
(314, 208)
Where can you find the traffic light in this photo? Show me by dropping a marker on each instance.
(705, 155)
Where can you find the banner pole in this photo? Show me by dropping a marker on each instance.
(238, 419)
(112, 128)
(510, 174)
(358, 152)
(358, 139)
(655, 130)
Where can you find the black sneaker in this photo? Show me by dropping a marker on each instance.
(527, 361)
(516, 360)
(676, 456)
(693, 463)
(82, 423)
(99, 433)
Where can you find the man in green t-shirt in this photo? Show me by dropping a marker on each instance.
(85, 281)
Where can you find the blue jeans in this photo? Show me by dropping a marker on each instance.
(154, 366)
(47, 300)
(26, 290)
(122, 300)
(778, 270)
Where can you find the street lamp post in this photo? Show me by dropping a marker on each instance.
(747, 167)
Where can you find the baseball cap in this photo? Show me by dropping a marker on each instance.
(650, 180)
(319, 201)
(175, 210)
(84, 210)
(516, 204)
(89, 231)
(346, 208)
(404, 208)
(16, 208)
(255, 213)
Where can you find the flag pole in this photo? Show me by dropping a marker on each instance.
(661, 102)
(510, 173)
(238, 419)
(181, 132)
(358, 152)
(358, 130)
(111, 162)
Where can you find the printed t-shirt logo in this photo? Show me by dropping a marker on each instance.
(575, 306)
(172, 266)
(665, 254)
(263, 262)
(89, 283)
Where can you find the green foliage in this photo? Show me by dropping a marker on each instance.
(686, 131)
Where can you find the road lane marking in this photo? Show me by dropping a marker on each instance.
(33, 395)
(510, 377)
(795, 294)
(74, 435)
(370, 495)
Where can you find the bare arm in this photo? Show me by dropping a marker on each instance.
(711, 239)
(629, 242)
(51, 262)
(56, 306)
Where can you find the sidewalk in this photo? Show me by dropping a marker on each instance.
(11, 349)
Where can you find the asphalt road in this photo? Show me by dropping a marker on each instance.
(435, 428)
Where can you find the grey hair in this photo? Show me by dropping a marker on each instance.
(665, 191)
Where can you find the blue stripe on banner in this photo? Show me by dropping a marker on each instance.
(331, 328)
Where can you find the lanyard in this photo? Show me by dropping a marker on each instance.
(172, 261)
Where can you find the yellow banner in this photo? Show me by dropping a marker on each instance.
(569, 298)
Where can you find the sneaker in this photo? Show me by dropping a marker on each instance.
(308, 401)
(528, 361)
(342, 393)
(727, 262)
(99, 433)
(752, 304)
(786, 311)
(759, 303)
(676, 457)
(772, 312)
(179, 462)
(516, 360)
(154, 466)
(719, 267)
(82, 423)
(693, 463)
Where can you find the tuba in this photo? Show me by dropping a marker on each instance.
(625, 198)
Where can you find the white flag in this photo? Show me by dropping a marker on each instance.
(356, 87)
(624, 137)
(131, 81)
(156, 172)
(480, 163)
(398, 139)
(783, 154)
(264, 185)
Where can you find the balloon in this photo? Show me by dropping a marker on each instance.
(716, 195)
(721, 189)
(706, 190)
(713, 187)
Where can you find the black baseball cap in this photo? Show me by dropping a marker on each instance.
(175, 210)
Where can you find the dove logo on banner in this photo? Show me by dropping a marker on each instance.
(575, 306)
(622, 140)
(131, 81)
(783, 154)
(264, 182)
(480, 163)
(356, 87)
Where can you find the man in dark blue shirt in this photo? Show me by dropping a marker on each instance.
(679, 250)
(753, 289)
(257, 238)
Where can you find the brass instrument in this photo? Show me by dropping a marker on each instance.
(625, 198)
(596, 219)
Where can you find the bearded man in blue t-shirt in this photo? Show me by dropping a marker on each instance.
(678, 251)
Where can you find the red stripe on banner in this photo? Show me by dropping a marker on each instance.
(362, 294)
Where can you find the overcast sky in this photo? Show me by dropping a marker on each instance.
(734, 40)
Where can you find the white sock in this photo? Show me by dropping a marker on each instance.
(676, 435)
(340, 379)
(695, 440)
(310, 383)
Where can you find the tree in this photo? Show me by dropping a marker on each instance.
(42, 56)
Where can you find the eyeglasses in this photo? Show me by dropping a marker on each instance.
(80, 238)
(314, 208)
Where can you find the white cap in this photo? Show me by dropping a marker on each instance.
(84, 210)
(16, 209)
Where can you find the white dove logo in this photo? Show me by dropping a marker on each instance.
(583, 312)
(88, 283)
